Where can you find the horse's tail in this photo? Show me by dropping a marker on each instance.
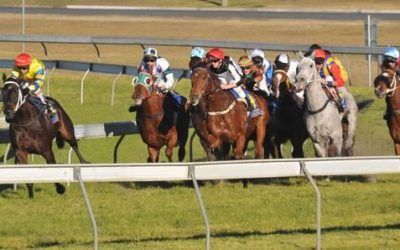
(59, 140)
(362, 105)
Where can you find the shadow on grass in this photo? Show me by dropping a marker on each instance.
(354, 228)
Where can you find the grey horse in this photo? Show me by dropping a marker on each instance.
(332, 132)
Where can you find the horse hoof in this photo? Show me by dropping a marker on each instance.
(60, 188)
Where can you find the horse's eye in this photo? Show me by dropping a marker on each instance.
(148, 81)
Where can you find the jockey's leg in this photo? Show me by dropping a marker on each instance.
(178, 101)
(254, 110)
(50, 109)
(343, 97)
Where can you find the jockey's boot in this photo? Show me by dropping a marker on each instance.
(254, 111)
(52, 112)
(342, 103)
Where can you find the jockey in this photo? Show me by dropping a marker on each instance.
(230, 76)
(33, 71)
(262, 63)
(330, 73)
(252, 75)
(159, 68)
(197, 56)
(391, 60)
(282, 62)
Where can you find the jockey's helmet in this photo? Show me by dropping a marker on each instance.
(217, 53)
(319, 53)
(282, 58)
(245, 61)
(198, 52)
(281, 61)
(150, 52)
(257, 53)
(23, 59)
(391, 52)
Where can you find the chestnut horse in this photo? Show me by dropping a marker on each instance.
(287, 123)
(387, 85)
(158, 124)
(32, 131)
(225, 119)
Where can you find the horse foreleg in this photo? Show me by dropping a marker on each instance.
(153, 154)
(21, 157)
(50, 159)
(397, 148)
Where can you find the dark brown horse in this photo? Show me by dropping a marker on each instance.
(32, 131)
(387, 85)
(158, 124)
(225, 120)
(287, 123)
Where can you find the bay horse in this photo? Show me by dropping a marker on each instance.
(387, 85)
(287, 122)
(31, 131)
(158, 124)
(225, 120)
(331, 132)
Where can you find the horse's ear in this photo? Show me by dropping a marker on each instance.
(134, 81)
(301, 54)
(4, 77)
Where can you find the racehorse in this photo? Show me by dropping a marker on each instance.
(386, 85)
(224, 118)
(287, 121)
(32, 131)
(332, 133)
(158, 124)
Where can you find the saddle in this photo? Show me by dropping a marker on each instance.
(42, 109)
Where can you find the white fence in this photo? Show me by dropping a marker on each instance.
(200, 171)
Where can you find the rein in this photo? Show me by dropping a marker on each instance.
(316, 80)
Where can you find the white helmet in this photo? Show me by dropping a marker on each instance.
(257, 53)
(282, 58)
(150, 52)
(392, 52)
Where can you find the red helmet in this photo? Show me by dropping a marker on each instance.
(319, 53)
(216, 53)
(23, 59)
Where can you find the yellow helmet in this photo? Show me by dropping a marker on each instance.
(245, 61)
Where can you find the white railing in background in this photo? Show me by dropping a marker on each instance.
(195, 171)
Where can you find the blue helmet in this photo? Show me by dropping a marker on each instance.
(392, 52)
(198, 52)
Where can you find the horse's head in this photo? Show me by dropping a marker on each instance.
(13, 94)
(385, 83)
(306, 73)
(280, 80)
(144, 86)
(201, 82)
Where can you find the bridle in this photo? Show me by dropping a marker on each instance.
(392, 87)
(209, 81)
(314, 79)
(21, 98)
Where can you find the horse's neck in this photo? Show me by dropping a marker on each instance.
(26, 114)
(219, 99)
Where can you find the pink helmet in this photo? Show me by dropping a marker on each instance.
(23, 59)
(216, 53)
